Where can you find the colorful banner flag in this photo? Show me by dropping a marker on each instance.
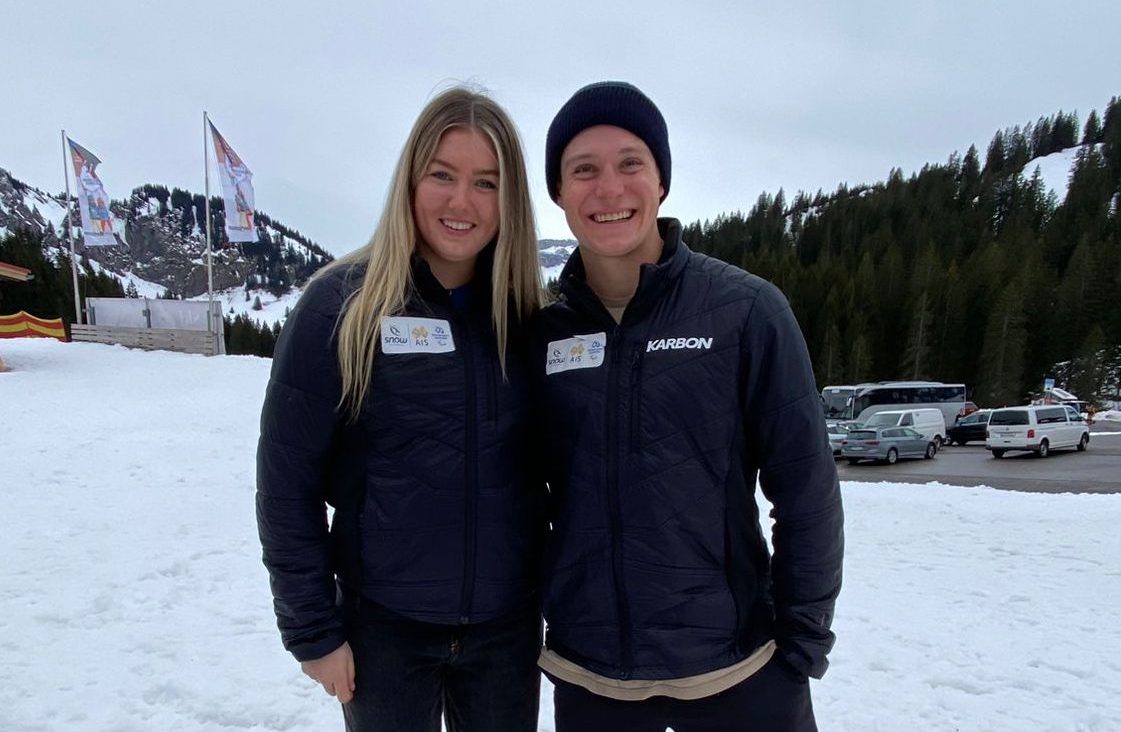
(93, 202)
(237, 190)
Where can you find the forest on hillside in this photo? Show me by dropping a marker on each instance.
(967, 271)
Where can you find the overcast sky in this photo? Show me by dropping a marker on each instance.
(318, 98)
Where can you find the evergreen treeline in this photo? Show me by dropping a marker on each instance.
(967, 271)
(51, 293)
(246, 336)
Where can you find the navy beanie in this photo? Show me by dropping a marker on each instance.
(615, 103)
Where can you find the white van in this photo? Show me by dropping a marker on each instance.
(1038, 429)
(928, 422)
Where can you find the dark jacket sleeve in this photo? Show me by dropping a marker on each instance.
(298, 424)
(785, 429)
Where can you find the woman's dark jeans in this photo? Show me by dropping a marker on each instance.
(481, 677)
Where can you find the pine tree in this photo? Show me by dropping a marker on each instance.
(831, 359)
(916, 357)
(1002, 366)
(969, 180)
(994, 159)
(1092, 132)
(1064, 133)
(860, 360)
(1089, 377)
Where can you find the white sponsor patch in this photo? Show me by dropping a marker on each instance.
(577, 352)
(416, 335)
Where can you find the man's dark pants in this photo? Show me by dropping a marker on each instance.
(774, 699)
(482, 677)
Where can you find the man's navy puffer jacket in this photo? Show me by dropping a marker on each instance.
(657, 429)
(436, 516)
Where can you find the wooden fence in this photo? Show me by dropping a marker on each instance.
(150, 339)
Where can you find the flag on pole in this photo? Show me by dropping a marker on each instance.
(237, 190)
(93, 202)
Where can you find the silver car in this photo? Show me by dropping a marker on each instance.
(886, 444)
(837, 433)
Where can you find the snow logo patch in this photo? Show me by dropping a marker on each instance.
(416, 335)
(577, 352)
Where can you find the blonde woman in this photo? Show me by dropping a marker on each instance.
(398, 397)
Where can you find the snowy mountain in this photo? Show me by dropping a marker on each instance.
(553, 253)
(165, 245)
(25, 208)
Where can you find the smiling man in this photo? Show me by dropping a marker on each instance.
(669, 383)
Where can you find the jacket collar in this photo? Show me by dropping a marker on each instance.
(427, 288)
(653, 279)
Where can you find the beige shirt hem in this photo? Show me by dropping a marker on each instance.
(687, 688)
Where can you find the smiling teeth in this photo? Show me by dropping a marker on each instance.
(458, 225)
(616, 216)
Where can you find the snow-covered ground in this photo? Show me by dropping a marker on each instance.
(1055, 170)
(132, 596)
(144, 288)
(1110, 415)
(273, 309)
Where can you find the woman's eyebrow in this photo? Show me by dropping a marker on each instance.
(446, 164)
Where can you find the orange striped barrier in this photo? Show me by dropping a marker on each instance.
(26, 325)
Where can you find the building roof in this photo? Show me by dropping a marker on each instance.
(12, 272)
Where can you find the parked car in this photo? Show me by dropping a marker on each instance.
(972, 428)
(968, 409)
(886, 444)
(1038, 429)
(837, 433)
(928, 422)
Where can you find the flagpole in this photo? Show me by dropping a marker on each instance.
(210, 326)
(70, 231)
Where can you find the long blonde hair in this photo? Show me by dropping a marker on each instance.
(515, 275)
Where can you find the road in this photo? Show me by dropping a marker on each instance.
(1098, 470)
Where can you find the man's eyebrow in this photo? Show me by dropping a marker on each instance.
(582, 156)
(628, 150)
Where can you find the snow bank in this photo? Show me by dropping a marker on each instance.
(134, 599)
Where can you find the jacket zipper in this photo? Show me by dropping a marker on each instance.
(616, 519)
(636, 396)
(494, 371)
(471, 475)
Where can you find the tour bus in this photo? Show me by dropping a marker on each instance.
(837, 402)
(858, 403)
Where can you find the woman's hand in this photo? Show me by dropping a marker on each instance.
(335, 672)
